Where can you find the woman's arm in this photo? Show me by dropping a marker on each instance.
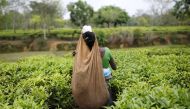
(112, 63)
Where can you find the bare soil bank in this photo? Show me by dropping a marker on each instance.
(54, 44)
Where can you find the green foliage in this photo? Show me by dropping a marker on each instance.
(152, 78)
(35, 21)
(142, 96)
(142, 21)
(36, 82)
(111, 15)
(81, 12)
(59, 22)
(101, 38)
(3, 3)
(138, 32)
(145, 78)
(108, 32)
(182, 9)
(47, 9)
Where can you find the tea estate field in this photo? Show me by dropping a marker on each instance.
(146, 78)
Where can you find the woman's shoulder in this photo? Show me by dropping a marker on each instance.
(107, 49)
(104, 49)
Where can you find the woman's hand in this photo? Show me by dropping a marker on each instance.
(74, 53)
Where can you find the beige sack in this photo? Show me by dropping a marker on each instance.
(88, 84)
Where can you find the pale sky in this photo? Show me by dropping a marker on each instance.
(130, 6)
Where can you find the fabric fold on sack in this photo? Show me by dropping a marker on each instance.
(88, 83)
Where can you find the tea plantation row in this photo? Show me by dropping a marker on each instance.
(62, 33)
(36, 82)
(152, 78)
(145, 78)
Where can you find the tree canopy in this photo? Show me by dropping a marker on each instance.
(48, 14)
(111, 15)
(48, 10)
(2, 5)
(80, 12)
(182, 9)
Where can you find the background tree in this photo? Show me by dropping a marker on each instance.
(15, 7)
(80, 12)
(35, 21)
(111, 15)
(3, 3)
(158, 9)
(5, 21)
(48, 10)
(169, 19)
(141, 18)
(122, 18)
(182, 9)
(26, 16)
(59, 23)
(142, 21)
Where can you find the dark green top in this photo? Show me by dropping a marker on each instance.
(106, 58)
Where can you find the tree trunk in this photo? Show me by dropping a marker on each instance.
(108, 24)
(44, 31)
(6, 26)
(34, 26)
(14, 23)
(48, 28)
(115, 24)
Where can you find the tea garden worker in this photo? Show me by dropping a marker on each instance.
(108, 64)
(88, 83)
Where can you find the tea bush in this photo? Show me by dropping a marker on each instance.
(36, 82)
(152, 77)
(75, 33)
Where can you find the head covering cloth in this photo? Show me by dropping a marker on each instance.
(88, 84)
